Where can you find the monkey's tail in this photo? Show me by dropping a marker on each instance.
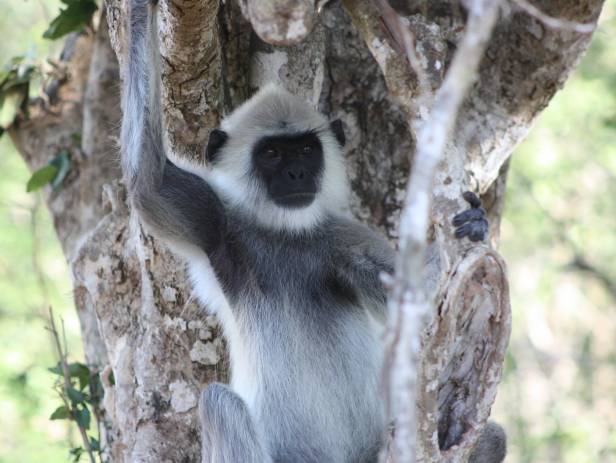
(142, 134)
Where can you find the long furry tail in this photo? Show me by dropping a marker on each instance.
(141, 133)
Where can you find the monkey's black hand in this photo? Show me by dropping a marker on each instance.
(472, 222)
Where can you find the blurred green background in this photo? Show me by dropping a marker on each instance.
(33, 275)
(558, 397)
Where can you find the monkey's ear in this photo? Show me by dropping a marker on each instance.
(336, 127)
(216, 141)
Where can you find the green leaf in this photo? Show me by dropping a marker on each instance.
(14, 88)
(83, 375)
(74, 17)
(57, 370)
(54, 172)
(63, 162)
(60, 413)
(10, 103)
(75, 370)
(82, 416)
(95, 445)
(76, 452)
(41, 177)
(16, 73)
(77, 397)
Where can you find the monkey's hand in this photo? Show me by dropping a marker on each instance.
(472, 222)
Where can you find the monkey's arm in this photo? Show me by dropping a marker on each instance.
(361, 257)
(176, 205)
(366, 255)
(182, 210)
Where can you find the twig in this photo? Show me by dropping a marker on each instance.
(408, 39)
(67, 379)
(408, 299)
(401, 32)
(554, 23)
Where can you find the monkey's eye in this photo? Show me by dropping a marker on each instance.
(307, 149)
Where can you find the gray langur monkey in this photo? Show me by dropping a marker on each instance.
(293, 279)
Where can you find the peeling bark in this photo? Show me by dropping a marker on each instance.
(280, 22)
(137, 316)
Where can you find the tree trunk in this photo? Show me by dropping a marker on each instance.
(137, 314)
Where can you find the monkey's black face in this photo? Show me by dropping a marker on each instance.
(291, 167)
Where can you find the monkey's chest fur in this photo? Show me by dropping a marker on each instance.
(305, 353)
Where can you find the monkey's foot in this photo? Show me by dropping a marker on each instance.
(472, 222)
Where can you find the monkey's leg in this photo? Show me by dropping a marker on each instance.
(228, 432)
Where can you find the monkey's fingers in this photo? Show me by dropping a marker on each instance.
(472, 199)
(476, 230)
(463, 231)
(479, 230)
(468, 216)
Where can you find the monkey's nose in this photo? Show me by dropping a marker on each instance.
(296, 173)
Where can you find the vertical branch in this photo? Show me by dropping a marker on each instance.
(192, 97)
(63, 363)
(403, 36)
(409, 301)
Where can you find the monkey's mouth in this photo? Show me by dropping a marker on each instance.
(295, 200)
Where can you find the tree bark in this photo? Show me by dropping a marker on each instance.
(138, 317)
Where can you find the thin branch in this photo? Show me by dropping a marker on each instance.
(408, 39)
(554, 23)
(409, 301)
(62, 354)
(382, 36)
(400, 29)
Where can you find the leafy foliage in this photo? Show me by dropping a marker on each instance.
(25, 225)
(76, 16)
(54, 173)
(75, 370)
(76, 453)
(41, 177)
(16, 75)
(80, 391)
(60, 413)
(14, 87)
